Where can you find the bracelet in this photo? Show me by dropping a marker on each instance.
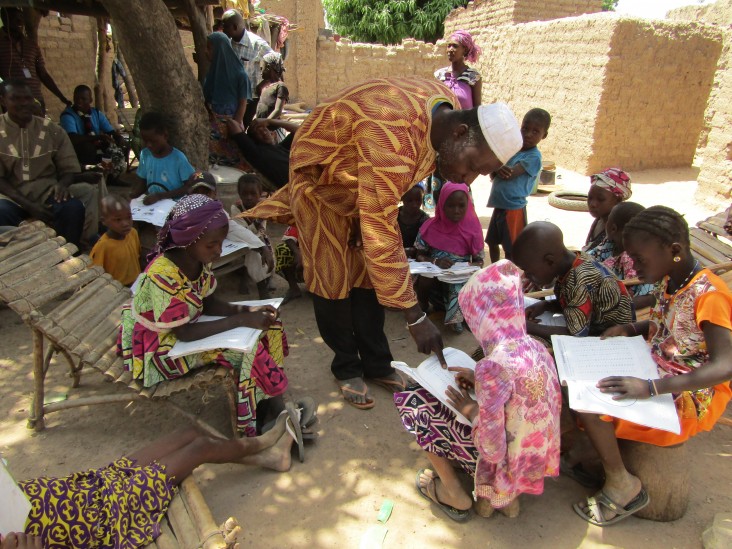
(418, 321)
(652, 388)
(655, 389)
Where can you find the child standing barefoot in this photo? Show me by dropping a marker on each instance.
(514, 439)
(690, 335)
(175, 290)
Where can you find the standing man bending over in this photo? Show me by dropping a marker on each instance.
(351, 161)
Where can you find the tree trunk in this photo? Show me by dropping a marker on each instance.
(197, 21)
(148, 36)
(103, 93)
(208, 11)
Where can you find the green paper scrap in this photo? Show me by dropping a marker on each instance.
(385, 512)
(55, 397)
(373, 538)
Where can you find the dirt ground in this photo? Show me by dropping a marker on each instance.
(361, 457)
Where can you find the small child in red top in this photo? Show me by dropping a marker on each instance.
(118, 250)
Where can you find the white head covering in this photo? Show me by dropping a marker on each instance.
(501, 130)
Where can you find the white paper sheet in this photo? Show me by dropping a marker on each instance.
(155, 214)
(583, 361)
(547, 318)
(14, 505)
(459, 272)
(241, 339)
(229, 247)
(430, 375)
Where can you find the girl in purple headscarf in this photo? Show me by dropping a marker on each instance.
(464, 81)
(175, 290)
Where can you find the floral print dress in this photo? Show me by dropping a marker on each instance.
(514, 441)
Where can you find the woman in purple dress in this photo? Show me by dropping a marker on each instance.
(464, 81)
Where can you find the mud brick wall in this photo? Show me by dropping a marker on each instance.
(342, 64)
(491, 13)
(715, 145)
(657, 82)
(69, 47)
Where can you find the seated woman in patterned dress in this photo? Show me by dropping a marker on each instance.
(690, 335)
(122, 505)
(175, 289)
(513, 442)
(452, 236)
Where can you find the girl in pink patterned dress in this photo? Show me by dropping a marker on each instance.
(514, 439)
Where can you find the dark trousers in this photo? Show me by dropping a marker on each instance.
(353, 328)
(68, 217)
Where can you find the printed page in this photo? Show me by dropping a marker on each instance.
(430, 375)
(241, 339)
(14, 505)
(423, 268)
(548, 318)
(155, 214)
(229, 247)
(583, 361)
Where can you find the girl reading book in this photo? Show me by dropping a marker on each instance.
(453, 235)
(513, 442)
(176, 288)
(690, 335)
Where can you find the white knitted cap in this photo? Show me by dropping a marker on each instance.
(501, 130)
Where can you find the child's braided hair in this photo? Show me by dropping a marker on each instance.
(661, 222)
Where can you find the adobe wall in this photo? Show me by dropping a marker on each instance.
(715, 147)
(621, 91)
(69, 47)
(341, 64)
(490, 13)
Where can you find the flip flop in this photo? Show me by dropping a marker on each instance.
(345, 388)
(391, 385)
(293, 428)
(308, 411)
(458, 515)
(578, 474)
(593, 513)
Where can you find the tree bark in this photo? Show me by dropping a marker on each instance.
(103, 94)
(197, 21)
(148, 36)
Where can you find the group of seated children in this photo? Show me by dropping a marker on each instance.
(512, 441)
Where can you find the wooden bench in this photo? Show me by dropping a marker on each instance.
(73, 308)
(710, 243)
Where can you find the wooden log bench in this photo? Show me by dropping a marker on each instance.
(73, 309)
(710, 243)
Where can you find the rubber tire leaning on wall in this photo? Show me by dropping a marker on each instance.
(574, 201)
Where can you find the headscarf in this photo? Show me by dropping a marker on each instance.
(274, 59)
(192, 216)
(226, 80)
(462, 238)
(614, 180)
(465, 39)
(492, 303)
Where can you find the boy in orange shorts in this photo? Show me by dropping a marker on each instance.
(513, 183)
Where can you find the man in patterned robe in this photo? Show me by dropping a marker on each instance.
(351, 161)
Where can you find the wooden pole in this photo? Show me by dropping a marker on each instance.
(103, 79)
(197, 22)
(200, 514)
(36, 420)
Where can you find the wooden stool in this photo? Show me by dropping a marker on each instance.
(665, 474)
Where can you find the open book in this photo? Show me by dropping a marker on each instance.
(435, 379)
(14, 505)
(459, 272)
(547, 318)
(240, 339)
(583, 361)
(155, 214)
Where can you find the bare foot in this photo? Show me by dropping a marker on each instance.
(483, 508)
(355, 392)
(276, 457)
(459, 500)
(271, 437)
(511, 510)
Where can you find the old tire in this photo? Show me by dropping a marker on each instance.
(573, 201)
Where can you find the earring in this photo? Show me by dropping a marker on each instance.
(676, 259)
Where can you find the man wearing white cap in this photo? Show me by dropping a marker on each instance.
(351, 161)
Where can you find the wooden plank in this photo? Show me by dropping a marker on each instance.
(44, 255)
(181, 523)
(201, 515)
(713, 242)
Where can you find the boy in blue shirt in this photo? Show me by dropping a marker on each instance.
(513, 183)
(163, 169)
